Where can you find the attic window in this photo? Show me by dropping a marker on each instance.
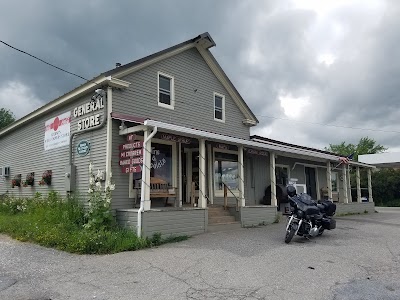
(219, 107)
(165, 90)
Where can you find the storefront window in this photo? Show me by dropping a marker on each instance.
(161, 163)
(282, 175)
(334, 182)
(226, 170)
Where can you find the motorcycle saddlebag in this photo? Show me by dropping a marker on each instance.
(329, 207)
(328, 223)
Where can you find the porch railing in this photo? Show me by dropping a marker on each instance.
(226, 189)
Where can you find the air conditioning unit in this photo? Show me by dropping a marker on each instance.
(5, 171)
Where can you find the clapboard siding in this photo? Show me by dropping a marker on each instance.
(175, 222)
(194, 104)
(121, 193)
(23, 151)
(355, 207)
(253, 216)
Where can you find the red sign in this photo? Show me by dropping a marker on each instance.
(131, 137)
(131, 146)
(132, 169)
(132, 153)
(131, 161)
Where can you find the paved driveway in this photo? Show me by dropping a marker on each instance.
(358, 260)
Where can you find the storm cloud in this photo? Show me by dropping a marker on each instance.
(298, 64)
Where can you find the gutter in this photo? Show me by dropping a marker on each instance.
(144, 173)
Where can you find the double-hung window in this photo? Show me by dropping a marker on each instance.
(219, 107)
(166, 90)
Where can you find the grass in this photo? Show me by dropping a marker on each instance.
(57, 223)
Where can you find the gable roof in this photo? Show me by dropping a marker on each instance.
(202, 42)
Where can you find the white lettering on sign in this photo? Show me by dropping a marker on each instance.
(132, 153)
(257, 152)
(131, 161)
(90, 121)
(130, 146)
(132, 169)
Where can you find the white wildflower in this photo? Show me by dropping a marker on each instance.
(90, 168)
(110, 174)
(91, 180)
(112, 187)
(90, 191)
(98, 184)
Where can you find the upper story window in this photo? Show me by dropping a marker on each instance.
(166, 90)
(219, 107)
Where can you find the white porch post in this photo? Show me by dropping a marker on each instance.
(210, 174)
(274, 201)
(345, 192)
(358, 184)
(180, 186)
(146, 172)
(370, 199)
(329, 179)
(349, 185)
(202, 174)
(241, 176)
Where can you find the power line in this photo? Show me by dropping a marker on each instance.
(330, 125)
(8, 45)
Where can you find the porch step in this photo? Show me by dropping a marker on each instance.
(221, 220)
(217, 215)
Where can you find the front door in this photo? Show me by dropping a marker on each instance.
(311, 182)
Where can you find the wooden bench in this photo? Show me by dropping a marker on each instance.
(159, 188)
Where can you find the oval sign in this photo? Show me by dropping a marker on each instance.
(83, 148)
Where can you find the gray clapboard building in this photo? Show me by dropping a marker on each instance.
(174, 133)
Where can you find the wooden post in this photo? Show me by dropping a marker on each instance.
(202, 174)
(241, 177)
(193, 193)
(358, 184)
(225, 197)
(329, 179)
(274, 201)
(370, 199)
(344, 183)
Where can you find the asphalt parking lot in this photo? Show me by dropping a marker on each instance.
(360, 259)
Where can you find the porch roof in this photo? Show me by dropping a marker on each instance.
(280, 149)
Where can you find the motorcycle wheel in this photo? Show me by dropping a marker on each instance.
(289, 234)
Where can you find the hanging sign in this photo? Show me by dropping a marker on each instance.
(176, 138)
(132, 169)
(257, 152)
(83, 148)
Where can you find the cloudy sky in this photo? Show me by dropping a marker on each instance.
(300, 65)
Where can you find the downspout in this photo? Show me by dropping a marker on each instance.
(144, 173)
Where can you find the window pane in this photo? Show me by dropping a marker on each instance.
(218, 102)
(218, 115)
(226, 170)
(165, 98)
(165, 83)
(334, 182)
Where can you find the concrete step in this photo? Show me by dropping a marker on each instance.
(216, 213)
(220, 220)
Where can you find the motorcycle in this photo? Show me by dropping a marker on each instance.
(308, 218)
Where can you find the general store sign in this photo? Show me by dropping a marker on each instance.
(57, 131)
(83, 110)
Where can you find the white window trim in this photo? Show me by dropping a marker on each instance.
(219, 193)
(172, 105)
(223, 107)
(132, 191)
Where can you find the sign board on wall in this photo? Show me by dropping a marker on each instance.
(83, 148)
(57, 131)
(88, 121)
(257, 152)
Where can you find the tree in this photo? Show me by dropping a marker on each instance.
(6, 118)
(364, 146)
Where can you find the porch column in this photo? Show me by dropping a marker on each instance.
(274, 201)
(349, 185)
(329, 179)
(345, 191)
(180, 185)
(202, 174)
(146, 171)
(210, 174)
(370, 199)
(241, 176)
(358, 184)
